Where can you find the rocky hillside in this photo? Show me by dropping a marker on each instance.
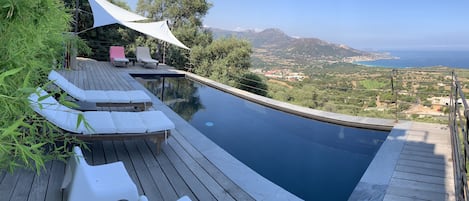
(274, 48)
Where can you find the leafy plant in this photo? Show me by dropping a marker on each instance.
(32, 38)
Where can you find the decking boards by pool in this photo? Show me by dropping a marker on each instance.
(424, 170)
(415, 163)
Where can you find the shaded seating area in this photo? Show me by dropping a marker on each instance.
(108, 98)
(143, 56)
(103, 125)
(117, 56)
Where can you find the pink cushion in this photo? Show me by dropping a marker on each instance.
(116, 52)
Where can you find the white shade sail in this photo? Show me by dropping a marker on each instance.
(105, 13)
(158, 30)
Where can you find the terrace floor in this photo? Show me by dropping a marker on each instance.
(414, 163)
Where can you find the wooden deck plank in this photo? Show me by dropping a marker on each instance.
(55, 181)
(109, 151)
(2, 175)
(434, 160)
(390, 197)
(156, 173)
(23, 186)
(415, 194)
(144, 176)
(420, 153)
(421, 164)
(419, 177)
(235, 191)
(421, 170)
(40, 183)
(171, 173)
(8, 185)
(123, 156)
(197, 187)
(203, 176)
(98, 153)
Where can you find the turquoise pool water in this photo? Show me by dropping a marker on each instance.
(311, 159)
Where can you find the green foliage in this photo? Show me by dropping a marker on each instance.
(32, 38)
(185, 19)
(252, 83)
(101, 38)
(222, 58)
(372, 84)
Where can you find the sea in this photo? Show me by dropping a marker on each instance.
(422, 58)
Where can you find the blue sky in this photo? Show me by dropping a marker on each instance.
(363, 24)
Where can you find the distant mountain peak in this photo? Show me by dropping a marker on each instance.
(273, 30)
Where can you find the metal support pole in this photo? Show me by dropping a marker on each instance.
(76, 16)
(394, 92)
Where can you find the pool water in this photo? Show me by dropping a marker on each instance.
(311, 159)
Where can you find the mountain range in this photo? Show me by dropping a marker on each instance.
(274, 48)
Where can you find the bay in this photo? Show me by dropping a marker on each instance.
(423, 58)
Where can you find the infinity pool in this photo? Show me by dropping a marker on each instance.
(311, 159)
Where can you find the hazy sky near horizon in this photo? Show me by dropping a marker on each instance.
(363, 24)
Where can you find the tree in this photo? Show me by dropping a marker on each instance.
(222, 59)
(32, 38)
(185, 19)
(252, 83)
(99, 39)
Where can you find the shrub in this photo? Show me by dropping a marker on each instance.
(32, 40)
(252, 83)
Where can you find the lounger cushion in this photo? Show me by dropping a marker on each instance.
(101, 122)
(67, 120)
(149, 61)
(118, 96)
(66, 85)
(137, 96)
(63, 117)
(96, 96)
(128, 122)
(156, 121)
(120, 60)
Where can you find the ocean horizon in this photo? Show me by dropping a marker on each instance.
(422, 58)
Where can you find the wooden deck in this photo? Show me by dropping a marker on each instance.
(424, 170)
(178, 170)
(414, 163)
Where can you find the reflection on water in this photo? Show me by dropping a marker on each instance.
(311, 159)
(180, 94)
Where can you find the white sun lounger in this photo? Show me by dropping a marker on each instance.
(103, 98)
(105, 125)
(143, 55)
(108, 182)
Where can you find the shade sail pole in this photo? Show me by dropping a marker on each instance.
(76, 16)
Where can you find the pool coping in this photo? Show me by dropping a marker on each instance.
(373, 183)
